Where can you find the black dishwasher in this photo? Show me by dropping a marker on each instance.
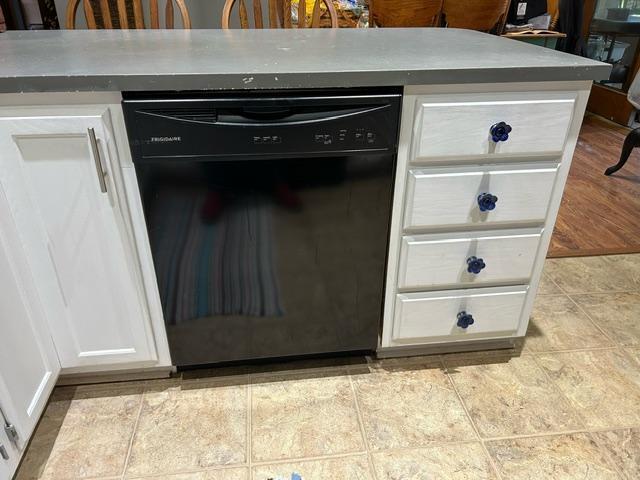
(268, 217)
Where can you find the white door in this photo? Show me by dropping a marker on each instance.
(29, 366)
(74, 236)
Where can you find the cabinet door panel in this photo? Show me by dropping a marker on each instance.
(78, 246)
(29, 367)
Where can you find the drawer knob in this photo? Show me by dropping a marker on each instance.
(475, 264)
(486, 201)
(500, 132)
(465, 319)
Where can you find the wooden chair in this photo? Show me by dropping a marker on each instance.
(407, 13)
(124, 14)
(482, 15)
(280, 14)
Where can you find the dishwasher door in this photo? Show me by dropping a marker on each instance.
(273, 248)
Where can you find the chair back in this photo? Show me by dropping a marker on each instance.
(125, 14)
(280, 14)
(407, 13)
(481, 15)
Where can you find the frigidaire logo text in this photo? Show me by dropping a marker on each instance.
(166, 139)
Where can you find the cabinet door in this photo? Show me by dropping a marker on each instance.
(29, 367)
(75, 238)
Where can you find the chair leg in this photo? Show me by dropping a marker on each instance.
(632, 141)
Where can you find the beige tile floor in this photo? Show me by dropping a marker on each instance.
(566, 405)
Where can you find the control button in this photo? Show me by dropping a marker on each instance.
(342, 134)
(257, 139)
(319, 138)
(276, 139)
(360, 134)
(266, 139)
(328, 139)
(371, 137)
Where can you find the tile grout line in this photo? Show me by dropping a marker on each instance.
(154, 476)
(606, 335)
(563, 432)
(330, 456)
(493, 465)
(133, 433)
(548, 277)
(363, 432)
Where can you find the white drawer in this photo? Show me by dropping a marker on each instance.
(428, 261)
(449, 197)
(433, 317)
(459, 126)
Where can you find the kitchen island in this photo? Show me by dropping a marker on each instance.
(487, 132)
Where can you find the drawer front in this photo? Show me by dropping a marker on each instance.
(433, 317)
(462, 128)
(440, 198)
(428, 261)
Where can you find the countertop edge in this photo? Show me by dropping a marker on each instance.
(235, 81)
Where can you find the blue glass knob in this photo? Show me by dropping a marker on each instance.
(465, 319)
(500, 132)
(475, 264)
(486, 201)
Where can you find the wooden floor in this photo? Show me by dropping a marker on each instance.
(599, 215)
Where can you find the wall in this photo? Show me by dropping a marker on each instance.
(203, 13)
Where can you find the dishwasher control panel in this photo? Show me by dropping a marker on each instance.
(286, 124)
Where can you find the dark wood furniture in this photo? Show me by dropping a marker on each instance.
(482, 15)
(125, 14)
(408, 13)
(279, 14)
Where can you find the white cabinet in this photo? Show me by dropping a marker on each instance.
(29, 366)
(474, 210)
(60, 187)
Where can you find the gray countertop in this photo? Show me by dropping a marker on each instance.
(117, 60)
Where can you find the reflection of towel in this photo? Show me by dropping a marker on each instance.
(220, 268)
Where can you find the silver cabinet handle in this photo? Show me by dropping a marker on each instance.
(96, 159)
(3, 452)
